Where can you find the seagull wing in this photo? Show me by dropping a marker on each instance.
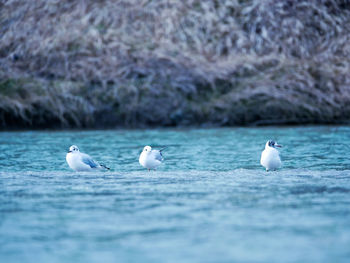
(157, 155)
(88, 160)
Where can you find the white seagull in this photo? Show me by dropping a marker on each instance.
(270, 157)
(81, 162)
(151, 159)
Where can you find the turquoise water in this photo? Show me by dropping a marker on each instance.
(210, 201)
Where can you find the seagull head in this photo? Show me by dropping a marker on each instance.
(147, 149)
(73, 149)
(273, 144)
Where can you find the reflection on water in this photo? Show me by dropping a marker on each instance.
(209, 202)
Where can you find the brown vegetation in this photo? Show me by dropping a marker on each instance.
(132, 63)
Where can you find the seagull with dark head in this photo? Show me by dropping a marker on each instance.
(270, 157)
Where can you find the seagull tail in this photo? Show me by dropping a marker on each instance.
(104, 166)
(163, 148)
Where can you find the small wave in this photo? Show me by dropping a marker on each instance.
(311, 189)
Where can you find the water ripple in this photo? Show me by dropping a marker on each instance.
(211, 197)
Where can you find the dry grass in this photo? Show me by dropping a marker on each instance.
(149, 62)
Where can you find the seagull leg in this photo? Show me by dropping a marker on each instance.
(149, 170)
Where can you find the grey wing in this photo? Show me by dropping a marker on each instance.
(157, 155)
(89, 161)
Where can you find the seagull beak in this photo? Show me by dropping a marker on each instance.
(69, 151)
(278, 145)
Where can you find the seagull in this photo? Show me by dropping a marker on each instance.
(151, 159)
(80, 162)
(270, 157)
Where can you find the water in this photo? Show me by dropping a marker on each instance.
(210, 201)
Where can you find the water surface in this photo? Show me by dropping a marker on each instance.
(209, 202)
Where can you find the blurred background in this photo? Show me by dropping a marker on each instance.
(148, 63)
